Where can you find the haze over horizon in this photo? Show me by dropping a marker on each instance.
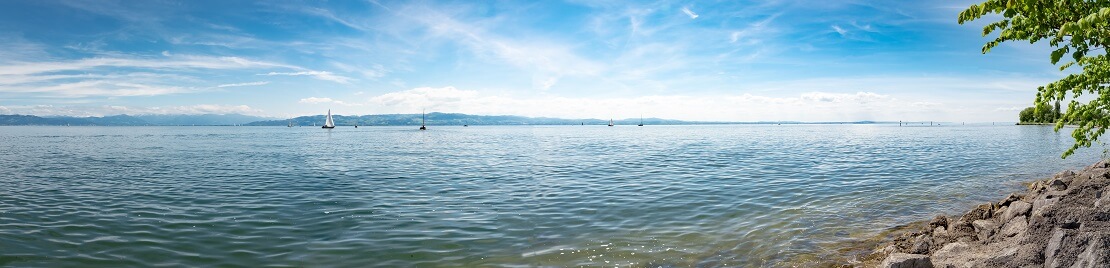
(682, 60)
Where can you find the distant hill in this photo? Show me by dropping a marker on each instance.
(456, 119)
(433, 119)
(128, 120)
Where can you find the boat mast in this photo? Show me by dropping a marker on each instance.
(422, 120)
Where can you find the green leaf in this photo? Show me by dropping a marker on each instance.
(1057, 54)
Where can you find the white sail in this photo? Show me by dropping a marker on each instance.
(329, 122)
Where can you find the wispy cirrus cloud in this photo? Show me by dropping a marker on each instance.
(322, 75)
(106, 110)
(247, 84)
(120, 76)
(689, 13)
(175, 62)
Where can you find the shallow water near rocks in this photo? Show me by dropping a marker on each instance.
(715, 195)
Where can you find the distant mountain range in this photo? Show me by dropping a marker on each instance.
(433, 119)
(455, 119)
(131, 120)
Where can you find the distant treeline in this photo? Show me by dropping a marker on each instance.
(1040, 114)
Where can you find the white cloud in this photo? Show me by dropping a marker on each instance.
(106, 110)
(100, 88)
(322, 75)
(120, 76)
(812, 106)
(859, 97)
(1012, 108)
(177, 62)
(247, 84)
(315, 100)
(689, 13)
(542, 56)
(839, 30)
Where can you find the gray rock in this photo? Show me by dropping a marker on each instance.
(1009, 199)
(999, 213)
(999, 259)
(1057, 185)
(1100, 164)
(940, 232)
(1065, 175)
(1036, 187)
(984, 229)
(1052, 252)
(1016, 208)
(1103, 202)
(1097, 253)
(921, 245)
(938, 221)
(1041, 203)
(980, 212)
(950, 254)
(903, 260)
(960, 229)
(1015, 226)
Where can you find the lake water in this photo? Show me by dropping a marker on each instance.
(717, 195)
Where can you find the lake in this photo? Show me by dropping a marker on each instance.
(709, 195)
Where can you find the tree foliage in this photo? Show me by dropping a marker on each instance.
(1040, 114)
(1079, 29)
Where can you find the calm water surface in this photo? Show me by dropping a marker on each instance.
(744, 195)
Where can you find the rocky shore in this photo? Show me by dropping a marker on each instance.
(1063, 221)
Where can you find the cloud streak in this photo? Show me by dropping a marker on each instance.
(811, 106)
(247, 84)
(689, 13)
(322, 75)
(106, 110)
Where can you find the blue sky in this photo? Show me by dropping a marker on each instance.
(693, 60)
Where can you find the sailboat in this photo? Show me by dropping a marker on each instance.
(328, 123)
(290, 122)
(356, 121)
(610, 122)
(641, 121)
(422, 121)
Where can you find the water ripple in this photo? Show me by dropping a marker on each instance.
(671, 196)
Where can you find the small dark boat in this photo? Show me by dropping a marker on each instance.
(422, 127)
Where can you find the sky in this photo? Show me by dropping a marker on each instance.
(689, 60)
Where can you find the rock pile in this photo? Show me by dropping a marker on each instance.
(1060, 222)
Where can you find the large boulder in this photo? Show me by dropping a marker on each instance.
(1057, 247)
(984, 229)
(903, 260)
(1041, 203)
(961, 231)
(952, 254)
(984, 211)
(1015, 226)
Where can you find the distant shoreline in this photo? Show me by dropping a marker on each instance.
(592, 124)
